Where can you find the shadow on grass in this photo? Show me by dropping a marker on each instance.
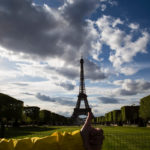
(26, 131)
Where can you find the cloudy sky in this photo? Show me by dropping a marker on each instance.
(42, 41)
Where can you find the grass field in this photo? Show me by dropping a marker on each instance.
(116, 138)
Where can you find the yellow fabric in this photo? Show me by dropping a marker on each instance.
(56, 141)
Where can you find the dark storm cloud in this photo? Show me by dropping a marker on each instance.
(109, 100)
(66, 85)
(59, 100)
(22, 27)
(70, 73)
(133, 87)
(45, 98)
(126, 92)
(21, 84)
(79, 9)
(93, 71)
(43, 31)
(26, 93)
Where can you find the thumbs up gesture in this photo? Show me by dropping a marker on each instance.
(92, 137)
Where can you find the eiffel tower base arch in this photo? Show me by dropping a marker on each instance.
(80, 111)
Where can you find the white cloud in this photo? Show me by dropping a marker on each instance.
(134, 26)
(116, 22)
(111, 2)
(132, 68)
(123, 47)
(128, 70)
(103, 7)
(104, 4)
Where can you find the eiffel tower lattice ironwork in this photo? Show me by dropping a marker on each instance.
(82, 96)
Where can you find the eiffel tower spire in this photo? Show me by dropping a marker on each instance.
(82, 95)
(82, 84)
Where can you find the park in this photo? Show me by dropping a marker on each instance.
(124, 129)
(129, 137)
(74, 75)
(116, 138)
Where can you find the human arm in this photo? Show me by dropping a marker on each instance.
(56, 141)
(88, 138)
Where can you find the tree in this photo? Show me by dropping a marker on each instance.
(45, 117)
(101, 120)
(117, 116)
(107, 118)
(33, 113)
(130, 114)
(145, 108)
(110, 117)
(10, 108)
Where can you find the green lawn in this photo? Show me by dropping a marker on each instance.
(24, 132)
(116, 138)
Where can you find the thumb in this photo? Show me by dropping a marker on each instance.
(88, 119)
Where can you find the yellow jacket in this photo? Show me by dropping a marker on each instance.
(56, 141)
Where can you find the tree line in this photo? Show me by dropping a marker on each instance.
(139, 115)
(14, 113)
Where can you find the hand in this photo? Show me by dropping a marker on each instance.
(92, 137)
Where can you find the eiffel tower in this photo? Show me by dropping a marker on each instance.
(82, 96)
